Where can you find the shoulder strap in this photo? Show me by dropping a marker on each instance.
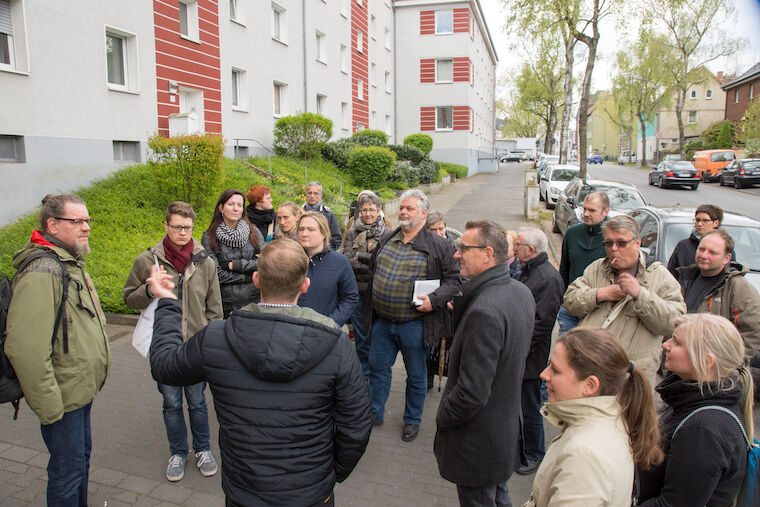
(721, 409)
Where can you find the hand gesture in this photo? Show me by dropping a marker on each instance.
(629, 284)
(611, 293)
(426, 305)
(161, 284)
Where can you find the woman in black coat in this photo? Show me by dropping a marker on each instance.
(706, 450)
(234, 244)
(260, 210)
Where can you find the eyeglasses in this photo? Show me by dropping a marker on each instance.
(620, 243)
(77, 221)
(370, 211)
(517, 243)
(465, 247)
(177, 228)
(703, 220)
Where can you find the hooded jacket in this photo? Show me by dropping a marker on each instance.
(333, 291)
(734, 298)
(201, 299)
(590, 462)
(643, 321)
(685, 252)
(236, 284)
(55, 382)
(581, 246)
(289, 392)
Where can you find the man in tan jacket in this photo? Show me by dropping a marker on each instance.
(197, 286)
(634, 301)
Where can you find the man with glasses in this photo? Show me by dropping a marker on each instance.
(57, 342)
(197, 286)
(635, 301)
(314, 203)
(707, 218)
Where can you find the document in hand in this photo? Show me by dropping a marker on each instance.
(423, 287)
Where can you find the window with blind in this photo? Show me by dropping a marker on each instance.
(444, 70)
(7, 54)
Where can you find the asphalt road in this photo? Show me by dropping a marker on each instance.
(745, 201)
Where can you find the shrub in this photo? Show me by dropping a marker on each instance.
(724, 138)
(187, 168)
(408, 152)
(337, 152)
(459, 170)
(370, 138)
(428, 171)
(404, 173)
(421, 141)
(302, 135)
(751, 127)
(691, 147)
(370, 167)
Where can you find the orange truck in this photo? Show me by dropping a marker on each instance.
(708, 163)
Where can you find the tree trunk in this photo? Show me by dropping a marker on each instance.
(680, 103)
(642, 126)
(568, 104)
(592, 43)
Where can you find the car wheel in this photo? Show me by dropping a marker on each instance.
(721, 181)
(737, 183)
(555, 225)
(705, 177)
(540, 195)
(649, 180)
(659, 182)
(694, 187)
(549, 205)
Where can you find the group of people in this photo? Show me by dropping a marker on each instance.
(256, 309)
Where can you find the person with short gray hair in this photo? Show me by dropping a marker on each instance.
(436, 222)
(635, 301)
(314, 203)
(422, 198)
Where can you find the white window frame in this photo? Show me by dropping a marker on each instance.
(373, 74)
(437, 74)
(360, 89)
(387, 38)
(373, 120)
(751, 91)
(279, 97)
(118, 150)
(321, 104)
(11, 53)
(692, 118)
(736, 96)
(239, 79)
(437, 115)
(130, 66)
(345, 119)
(373, 27)
(693, 94)
(360, 41)
(344, 59)
(238, 11)
(708, 94)
(344, 8)
(193, 30)
(19, 151)
(320, 46)
(448, 12)
(279, 21)
(387, 82)
(388, 124)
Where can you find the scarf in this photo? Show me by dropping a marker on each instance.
(259, 216)
(234, 238)
(179, 258)
(375, 230)
(279, 233)
(316, 207)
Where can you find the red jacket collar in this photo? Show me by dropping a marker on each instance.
(38, 239)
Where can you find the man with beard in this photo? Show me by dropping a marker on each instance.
(59, 351)
(410, 253)
(314, 203)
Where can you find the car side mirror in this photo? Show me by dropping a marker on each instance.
(544, 178)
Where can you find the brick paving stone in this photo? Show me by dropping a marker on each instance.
(33, 492)
(17, 453)
(40, 461)
(138, 485)
(17, 468)
(171, 493)
(101, 475)
(124, 496)
(204, 500)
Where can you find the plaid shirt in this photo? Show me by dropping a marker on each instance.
(397, 267)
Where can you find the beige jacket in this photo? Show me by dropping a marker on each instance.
(642, 322)
(590, 463)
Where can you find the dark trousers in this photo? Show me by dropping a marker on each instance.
(327, 502)
(485, 496)
(69, 442)
(174, 418)
(533, 422)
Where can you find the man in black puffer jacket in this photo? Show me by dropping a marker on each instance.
(289, 392)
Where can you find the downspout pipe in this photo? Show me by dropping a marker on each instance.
(303, 37)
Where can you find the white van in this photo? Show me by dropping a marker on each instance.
(627, 157)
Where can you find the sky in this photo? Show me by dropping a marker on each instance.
(747, 25)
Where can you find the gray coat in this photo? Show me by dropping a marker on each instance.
(477, 441)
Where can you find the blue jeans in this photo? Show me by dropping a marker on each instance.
(387, 338)
(69, 442)
(361, 338)
(174, 419)
(486, 496)
(566, 320)
(533, 422)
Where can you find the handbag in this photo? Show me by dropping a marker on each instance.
(143, 333)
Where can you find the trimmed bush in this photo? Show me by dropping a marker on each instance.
(370, 167)
(404, 173)
(301, 136)
(428, 171)
(370, 138)
(751, 127)
(338, 152)
(421, 141)
(187, 168)
(724, 137)
(408, 152)
(459, 170)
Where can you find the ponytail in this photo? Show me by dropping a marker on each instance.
(637, 411)
(748, 391)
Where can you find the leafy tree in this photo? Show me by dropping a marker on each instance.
(302, 135)
(724, 138)
(711, 134)
(751, 128)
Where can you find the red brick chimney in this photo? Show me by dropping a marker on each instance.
(720, 75)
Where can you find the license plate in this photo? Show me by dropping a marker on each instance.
(684, 175)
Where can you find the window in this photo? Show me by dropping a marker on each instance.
(360, 89)
(126, 150)
(387, 81)
(373, 27)
(344, 8)
(188, 20)
(279, 23)
(359, 3)
(237, 11)
(239, 84)
(280, 99)
(343, 58)
(444, 70)
(344, 119)
(692, 117)
(387, 38)
(736, 96)
(444, 21)
(322, 104)
(121, 60)
(373, 74)
(373, 120)
(444, 118)
(694, 94)
(320, 49)
(12, 41)
(751, 91)
(708, 94)
(388, 124)
(359, 41)
(12, 149)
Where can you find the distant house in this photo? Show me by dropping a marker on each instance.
(740, 92)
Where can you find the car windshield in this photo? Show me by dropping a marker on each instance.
(620, 198)
(746, 242)
(682, 164)
(752, 164)
(723, 156)
(564, 174)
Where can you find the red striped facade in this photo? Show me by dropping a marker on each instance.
(359, 66)
(188, 63)
(462, 70)
(462, 22)
(427, 22)
(462, 118)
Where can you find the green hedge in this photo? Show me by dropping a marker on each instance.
(421, 141)
(370, 167)
(404, 176)
(338, 152)
(428, 171)
(302, 135)
(370, 138)
(459, 170)
(408, 152)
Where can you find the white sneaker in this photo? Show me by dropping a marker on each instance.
(175, 471)
(206, 463)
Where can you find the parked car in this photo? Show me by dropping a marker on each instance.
(626, 157)
(539, 156)
(663, 228)
(672, 157)
(678, 173)
(554, 180)
(740, 173)
(595, 159)
(709, 163)
(548, 159)
(569, 209)
(512, 156)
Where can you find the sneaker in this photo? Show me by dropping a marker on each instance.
(410, 432)
(528, 469)
(175, 471)
(206, 463)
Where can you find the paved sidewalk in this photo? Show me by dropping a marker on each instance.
(130, 450)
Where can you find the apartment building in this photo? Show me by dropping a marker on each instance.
(79, 104)
(740, 92)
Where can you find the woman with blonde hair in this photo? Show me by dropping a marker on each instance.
(287, 217)
(603, 407)
(709, 393)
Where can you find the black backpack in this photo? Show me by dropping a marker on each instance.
(10, 389)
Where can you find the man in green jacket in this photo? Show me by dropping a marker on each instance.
(60, 375)
(197, 286)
